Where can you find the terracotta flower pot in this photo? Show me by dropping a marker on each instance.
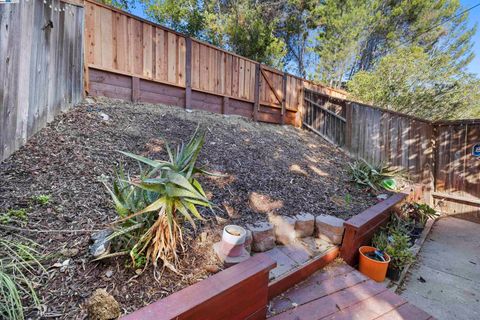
(375, 270)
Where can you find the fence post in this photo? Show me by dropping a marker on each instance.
(188, 73)
(284, 95)
(225, 104)
(135, 89)
(256, 105)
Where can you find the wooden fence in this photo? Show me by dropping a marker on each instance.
(40, 67)
(437, 155)
(131, 58)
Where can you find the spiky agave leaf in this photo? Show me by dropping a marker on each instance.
(170, 195)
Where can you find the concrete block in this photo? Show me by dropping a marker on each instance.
(304, 225)
(284, 229)
(329, 224)
(263, 236)
(330, 237)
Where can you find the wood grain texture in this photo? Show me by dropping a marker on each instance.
(238, 292)
(41, 67)
(296, 276)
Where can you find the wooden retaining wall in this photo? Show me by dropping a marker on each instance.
(131, 58)
(41, 67)
(239, 292)
(360, 229)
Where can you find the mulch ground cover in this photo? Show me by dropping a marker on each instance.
(267, 168)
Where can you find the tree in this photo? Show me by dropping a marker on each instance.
(342, 26)
(240, 26)
(296, 21)
(355, 34)
(412, 81)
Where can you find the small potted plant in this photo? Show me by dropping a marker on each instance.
(397, 246)
(373, 263)
(418, 214)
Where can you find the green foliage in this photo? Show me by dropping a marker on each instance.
(243, 26)
(19, 215)
(121, 4)
(414, 82)
(343, 25)
(153, 206)
(419, 212)
(395, 241)
(399, 250)
(19, 263)
(373, 176)
(42, 199)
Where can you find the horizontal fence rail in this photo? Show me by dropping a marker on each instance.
(131, 58)
(438, 155)
(325, 116)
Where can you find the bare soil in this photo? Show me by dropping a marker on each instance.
(269, 168)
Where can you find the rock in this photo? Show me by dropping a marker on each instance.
(382, 196)
(101, 244)
(304, 225)
(263, 236)
(220, 220)
(102, 306)
(101, 234)
(109, 273)
(212, 268)
(284, 229)
(248, 241)
(329, 228)
(89, 100)
(104, 116)
(69, 252)
(99, 248)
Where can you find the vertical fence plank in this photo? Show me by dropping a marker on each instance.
(188, 74)
(257, 88)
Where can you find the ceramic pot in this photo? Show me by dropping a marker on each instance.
(233, 240)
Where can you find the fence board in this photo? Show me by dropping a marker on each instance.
(41, 65)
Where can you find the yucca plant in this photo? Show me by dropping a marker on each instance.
(19, 262)
(168, 194)
(376, 177)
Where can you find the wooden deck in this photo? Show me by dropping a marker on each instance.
(341, 292)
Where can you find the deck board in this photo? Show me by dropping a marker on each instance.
(341, 292)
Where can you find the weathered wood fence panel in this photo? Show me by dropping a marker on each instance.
(436, 155)
(117, 42)
(457, 170)
(41, 67)
(160, 61)
(325, 116)
(381, 136)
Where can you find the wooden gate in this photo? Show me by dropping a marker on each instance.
(325, 116)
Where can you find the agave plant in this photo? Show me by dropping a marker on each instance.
(375, 176)
(167, 194)
(19, 262)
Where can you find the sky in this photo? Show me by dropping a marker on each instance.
(474, 18)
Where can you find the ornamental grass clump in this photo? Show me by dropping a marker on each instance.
(153, 206)
(19, 264)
